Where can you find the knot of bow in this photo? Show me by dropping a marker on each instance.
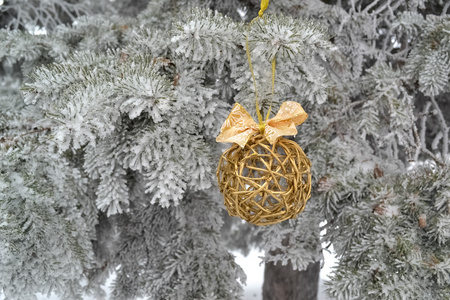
(240, 126)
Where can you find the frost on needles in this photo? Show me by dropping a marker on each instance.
(108, 152)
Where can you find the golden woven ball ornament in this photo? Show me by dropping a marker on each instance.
(264, 178)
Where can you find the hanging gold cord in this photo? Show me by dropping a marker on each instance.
(264, 5)
(254, 80)
(273, 85)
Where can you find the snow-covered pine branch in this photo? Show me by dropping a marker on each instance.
(110, 152)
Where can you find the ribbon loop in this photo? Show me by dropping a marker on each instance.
(264, 6)
(240, 126)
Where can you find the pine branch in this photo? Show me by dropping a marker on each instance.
(444, 127)
(444, 10)
(423, 124)
(10, 140)
(421, 146)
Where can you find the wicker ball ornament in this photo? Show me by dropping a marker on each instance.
(265, 183)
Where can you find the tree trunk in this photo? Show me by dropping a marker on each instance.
(284, 283)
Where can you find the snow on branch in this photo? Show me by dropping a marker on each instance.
(41, 13)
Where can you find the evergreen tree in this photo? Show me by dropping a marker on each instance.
(108, 119)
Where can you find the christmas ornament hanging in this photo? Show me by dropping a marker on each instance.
(264, 178)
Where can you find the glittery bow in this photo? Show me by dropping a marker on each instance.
(240, 126)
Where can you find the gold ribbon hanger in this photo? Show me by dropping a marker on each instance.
(264, 6)
(240, 126)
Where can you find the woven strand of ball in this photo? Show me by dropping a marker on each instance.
(265, 184)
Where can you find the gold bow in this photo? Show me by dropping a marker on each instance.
(240, 126)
